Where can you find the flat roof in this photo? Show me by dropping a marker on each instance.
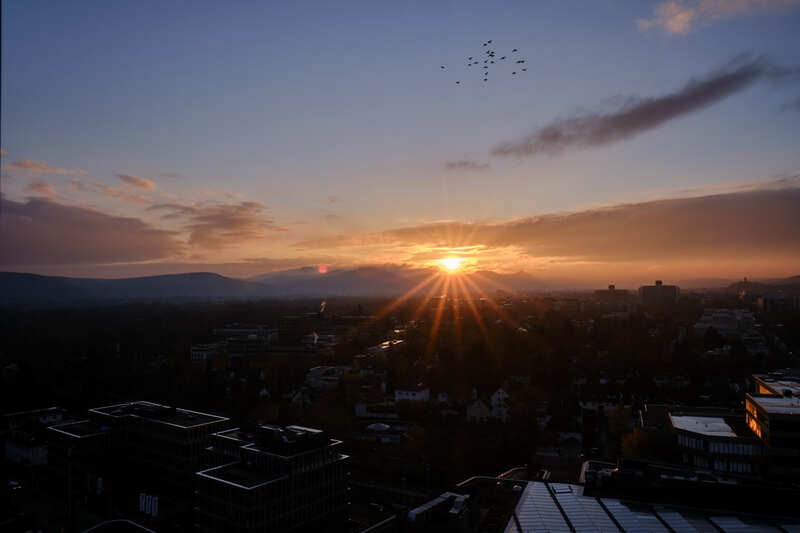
(779, 405)
(711, 426)
(557, 507)
(239, 476)
(80, 429)
(172, 416)
(779, 382)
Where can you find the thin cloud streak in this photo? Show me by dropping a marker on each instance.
(33, 166)
(639, 115)
(466, 165)
(136, 181)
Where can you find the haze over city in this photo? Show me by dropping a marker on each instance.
(644, 139)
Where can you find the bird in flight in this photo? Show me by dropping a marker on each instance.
(491, 59)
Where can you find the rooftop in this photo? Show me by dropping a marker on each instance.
(173, 416)
(778, 405)
(81, 428)
(290, 440)
(239, 475)
(563, 507)
(702, 425)
(781, 381)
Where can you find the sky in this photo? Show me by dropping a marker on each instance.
(645, 139)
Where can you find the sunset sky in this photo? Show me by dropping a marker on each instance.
(646, 139)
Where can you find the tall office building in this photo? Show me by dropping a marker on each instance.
(658, 296)
(144, 453)
(270, 478)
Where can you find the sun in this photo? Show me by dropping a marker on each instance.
(451, 264)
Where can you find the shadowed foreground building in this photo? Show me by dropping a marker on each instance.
(773, 414)
(273, 479)
(497, 504)
(139, 457)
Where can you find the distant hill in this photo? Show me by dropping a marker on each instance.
(789, 285)
(32, 290)
(384, 280)
(17, 289)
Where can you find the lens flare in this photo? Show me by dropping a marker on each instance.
(451, 264)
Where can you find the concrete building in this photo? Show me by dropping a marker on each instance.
(478, 411)
(23, 434)
(245, 340)
(273, 479)
(146, 453)
(419, 393)
(730, 323)
(499, 403)
(775, 420)
(203, 352)
(658, 296)
(711, 442)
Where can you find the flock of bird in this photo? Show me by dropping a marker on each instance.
(485, 63)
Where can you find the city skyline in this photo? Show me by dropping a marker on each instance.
(646, 140)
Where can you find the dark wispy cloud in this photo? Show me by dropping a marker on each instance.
(43, 232)
(219, 225)
(680, 18)
(466, 165)
(32, 166)
(136, 181)
(638, 115)
(756, 223)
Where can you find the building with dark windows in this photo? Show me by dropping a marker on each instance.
(137, 458)
(658, 296)
(612, 297)
(721, 444)
(773, 414)
(245, 340)
(271, 478)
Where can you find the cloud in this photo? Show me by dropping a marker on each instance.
(136, 181)
(742, 226)
(639, 115)
(466, 165)
(43, 232)
(32, 166)
(219, 225)
(42, 187)
(107, 191)
(678, 18)
(170, 175)
(3, 153)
